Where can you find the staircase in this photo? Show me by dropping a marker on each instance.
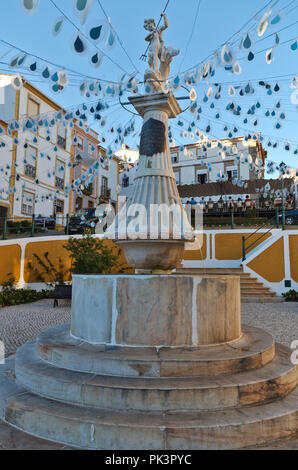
(252, 290)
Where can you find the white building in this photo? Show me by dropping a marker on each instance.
(38, 163)
(218, 160)
(40, 159)
(127, 154)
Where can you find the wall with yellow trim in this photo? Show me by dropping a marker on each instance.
(293, 248)
(197, 254)
(54, 252)
(10, 263)
(228, 246)
(270, 264)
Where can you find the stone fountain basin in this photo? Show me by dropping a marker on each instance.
(153, 254)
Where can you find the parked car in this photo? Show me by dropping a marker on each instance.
(81, 220)
(47, 222)
(291, 217)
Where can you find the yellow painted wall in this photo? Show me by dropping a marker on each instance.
(59, 257)
(293, 247)
(197, 254)
(270, 263)
(10, 262)
(228, 246)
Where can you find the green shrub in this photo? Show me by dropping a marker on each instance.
(12, 296)
(90, 256)
(291, 296)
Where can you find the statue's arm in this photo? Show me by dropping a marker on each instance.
(149, 37)
(166, 22)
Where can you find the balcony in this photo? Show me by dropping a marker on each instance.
(59, 183)
(30, 171)
(88, 190)
(61, 141)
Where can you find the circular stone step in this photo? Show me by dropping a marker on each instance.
(156, 394)
(255, 349)
(90, 428)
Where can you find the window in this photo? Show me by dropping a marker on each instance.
(80, 143)
(174, 157)
(232, 174)
(125, 182)
(202, 178)
(61, 137)
(28, 203)
(60, 172)
(30, 161)
(33, 108)
(177, 176)
(59, 207)
(104, 187)
(79, 203)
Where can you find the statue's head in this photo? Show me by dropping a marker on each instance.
(149, 24)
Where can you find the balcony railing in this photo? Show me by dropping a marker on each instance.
(30, 171)
(61, 141)
(59, 183)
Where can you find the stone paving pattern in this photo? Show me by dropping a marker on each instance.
(21, 323)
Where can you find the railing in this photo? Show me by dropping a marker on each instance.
(274, 221)
(13, 227)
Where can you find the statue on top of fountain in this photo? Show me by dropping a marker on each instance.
(159, 56)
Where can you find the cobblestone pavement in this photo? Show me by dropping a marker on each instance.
(21, 323)
(279, 319)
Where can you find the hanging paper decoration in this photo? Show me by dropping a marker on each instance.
(192, 95)
(82, 8)
(79, 45)
(58, 25)
(264, 23)
(97, 30)
(246, 42)
(29, 6)
(250, 56)
(33, 67)
(277, 18)
(294, 46)
(17, 82)
(269, 57)
(111, 39)
(231, 90)
(96, 59)
(237, 68)
(226, 55)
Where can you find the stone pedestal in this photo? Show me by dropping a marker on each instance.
(156, 310)
(153, 362)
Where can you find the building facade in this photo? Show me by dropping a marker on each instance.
(85, 155)
(40, 159)
(218, 160)
(38, 164)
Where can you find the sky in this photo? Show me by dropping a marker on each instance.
(197, 28)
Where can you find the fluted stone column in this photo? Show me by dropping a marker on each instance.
(163, 227)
